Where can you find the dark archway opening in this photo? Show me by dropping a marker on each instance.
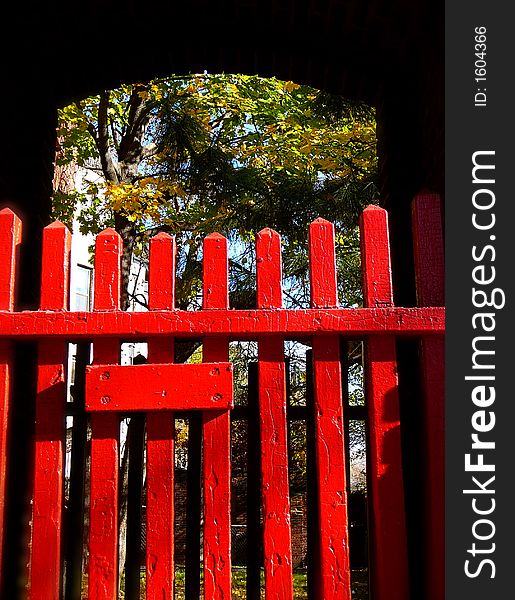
(388, 55)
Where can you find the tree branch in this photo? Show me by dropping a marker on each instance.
(114, 134)
(103, 145)
(90, 127)
(148, 150)
(131, 143)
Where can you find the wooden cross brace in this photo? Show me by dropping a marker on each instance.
(153, 387)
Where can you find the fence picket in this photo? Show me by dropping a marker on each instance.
(270, 324)
(50, 424)
(216, 428)
(333, 570)
(430, 276)
(387, 527)
(322, 265)
(160, 434)
(254, 529)
(273, 426)
(103, 525)
(269, 269)
(10, 234)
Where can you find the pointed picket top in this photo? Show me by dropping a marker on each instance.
(269, 269)
(8, 211)
(375, 257)
(322, 264)
(162, 235)
(215, 272)
(109, 239)
(372, 207)
(107, 232)
(107, 272)
(267, 231)
(56, 224)
(10, 234)
(161, 272)
(10, 223)
(269, 237)
(10, 218)
(215, 236)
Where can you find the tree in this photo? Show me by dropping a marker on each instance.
(233, 153)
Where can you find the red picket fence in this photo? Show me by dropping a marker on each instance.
(160, 387)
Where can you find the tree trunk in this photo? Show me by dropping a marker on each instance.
(127, 232)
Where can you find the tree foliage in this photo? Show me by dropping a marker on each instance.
(229, 153)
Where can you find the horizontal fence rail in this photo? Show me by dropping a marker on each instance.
(234, 324)
(159, 389)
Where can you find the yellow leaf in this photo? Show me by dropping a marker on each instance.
(289, 86)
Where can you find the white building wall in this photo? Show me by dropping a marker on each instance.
(81, 261)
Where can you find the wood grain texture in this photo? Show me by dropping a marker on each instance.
(234, 324)
(47, 513)
(160, 568)
(269, 269)
(375, 257)
(216, 437)
(322, 265)
(10, 234)
(430, 278)
(45, 574)
(215, 268)
(159, 387)
(105, 433)
(107, 280)
(274, 469)
(387, 519)
(160, 493)
(273, 427)
(333, 568)
(161, 273)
